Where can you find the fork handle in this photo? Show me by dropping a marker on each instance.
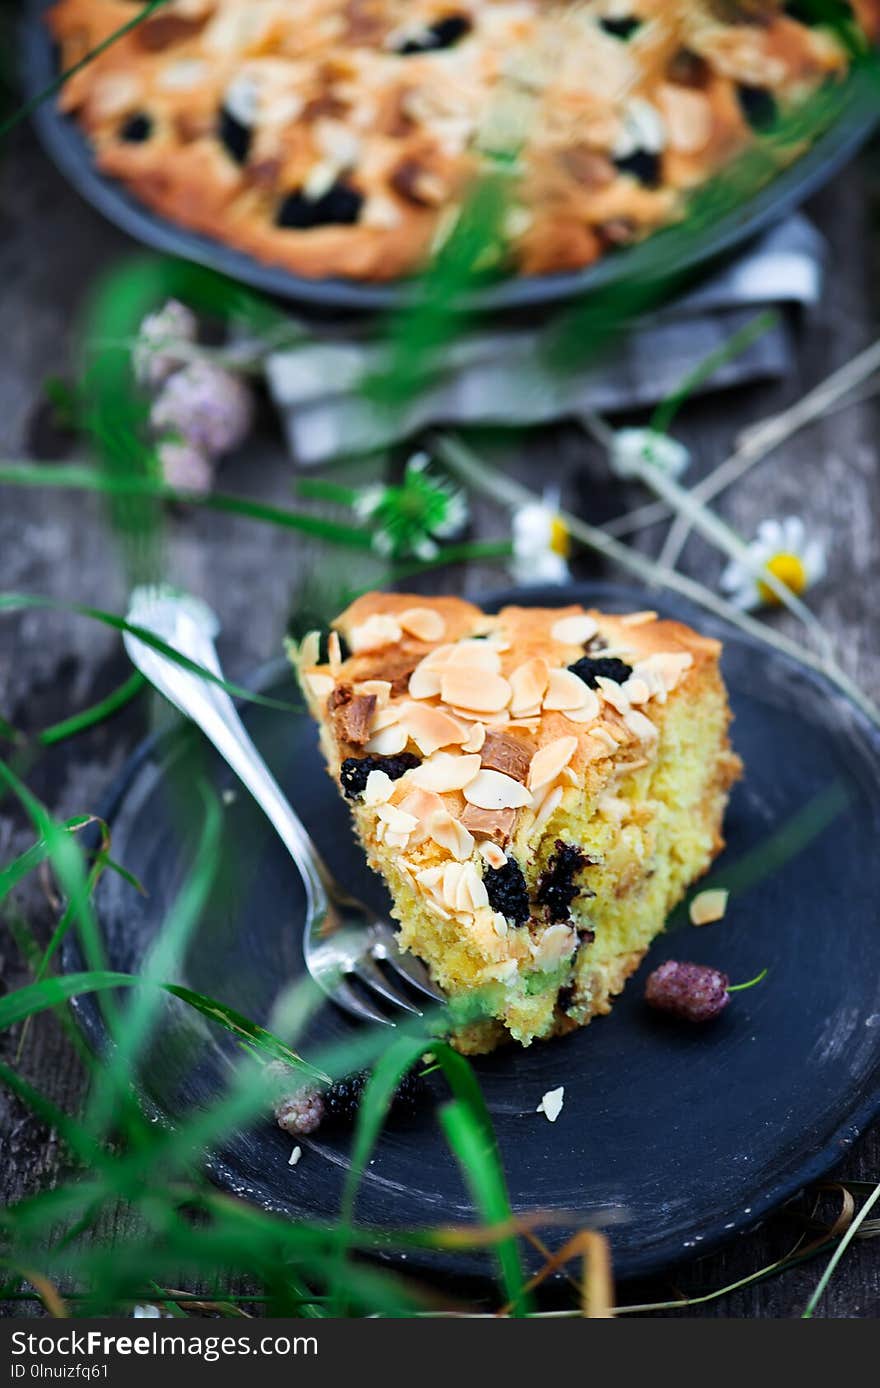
(213, 712)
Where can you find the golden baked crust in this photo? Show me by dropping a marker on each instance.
(338, 137)
(538, 789)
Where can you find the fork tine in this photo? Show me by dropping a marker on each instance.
(369, 973)
(409, 968)
(346, 997)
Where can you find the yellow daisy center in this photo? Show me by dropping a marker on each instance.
(789, 569)
(560, 542)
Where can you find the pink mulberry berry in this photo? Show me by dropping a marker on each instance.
(693, 991)
(206, 405)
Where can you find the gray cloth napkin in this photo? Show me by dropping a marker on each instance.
(497, 376)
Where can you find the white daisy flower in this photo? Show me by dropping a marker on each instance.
(632, 448)
(784, 548)
(409, 519)
(541, 544)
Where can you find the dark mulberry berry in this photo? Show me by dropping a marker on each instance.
(557, 888)
(342, 1099)
(137, 129)
(355, 770)
(508, 892)
(589, 667)
(234, 137)
(443, 34)
(695, 992)
(643, 165)
(757, 105)
(621, 28)
(339, 206)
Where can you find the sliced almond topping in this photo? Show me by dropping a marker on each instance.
(588, 710)
(566, 690)
(602, 734)
(334, 652)
(547, 807)
(396, 819)
(492, 790)
(389, 741)
(638, 619)
(548, 761)
(463, 889)
(491, 853)
(378, 789)
(385, 718)
(500, 752)
(377, 631)
(451, 834)
(437, 658)
(668, 665)
(490, 720)
(309, 652)
(529, 684)
(708, 906)
(421, 804)
(556, 944)
(431, 728)
(636, 690)
(380, 688)
(477, 689)
(490, 824)
(476, 738)
(640, 726)
(613, 694)
(424, 623)
(424, 683)
(320, 685)
(482, 655)
(575, 630)
(445, 771)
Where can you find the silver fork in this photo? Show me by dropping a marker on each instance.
(344, 940)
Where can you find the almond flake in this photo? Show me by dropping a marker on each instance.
(669, 666)
(576, 630)
(548, 761)
(636, 690)
(493, 855)
(640, 726)
(334, 652)
(431, 728)
(480, 690)
(445, 771)
(476, 738)
(613, 694)
(638, 619)
(565, 691)
(397, 819)
(385, 718)
(309, 652)
(551, 1103)
(602, 734)
(320, 685)
(492, 790)
(389, 741)
(424, 683)
(547, 807)
(588, 710)
(377, 631)
(380, 688)
(556, 944)
(463, 889)
(708, 906)
(378, 788)
(529, 684)
(421, 804)
(482, 655)
(451, 834)
(424, 623)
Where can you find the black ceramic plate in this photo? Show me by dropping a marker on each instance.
(68, 148)
(682, 1134)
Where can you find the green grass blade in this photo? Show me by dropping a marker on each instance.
(98, 713)
(15, 602)
(26, 862)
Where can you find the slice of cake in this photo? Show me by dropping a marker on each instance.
(538, 789)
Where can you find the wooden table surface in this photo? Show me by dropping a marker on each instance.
(52, 248)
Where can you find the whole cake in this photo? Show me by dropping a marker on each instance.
(339, 137)
(538, 789)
